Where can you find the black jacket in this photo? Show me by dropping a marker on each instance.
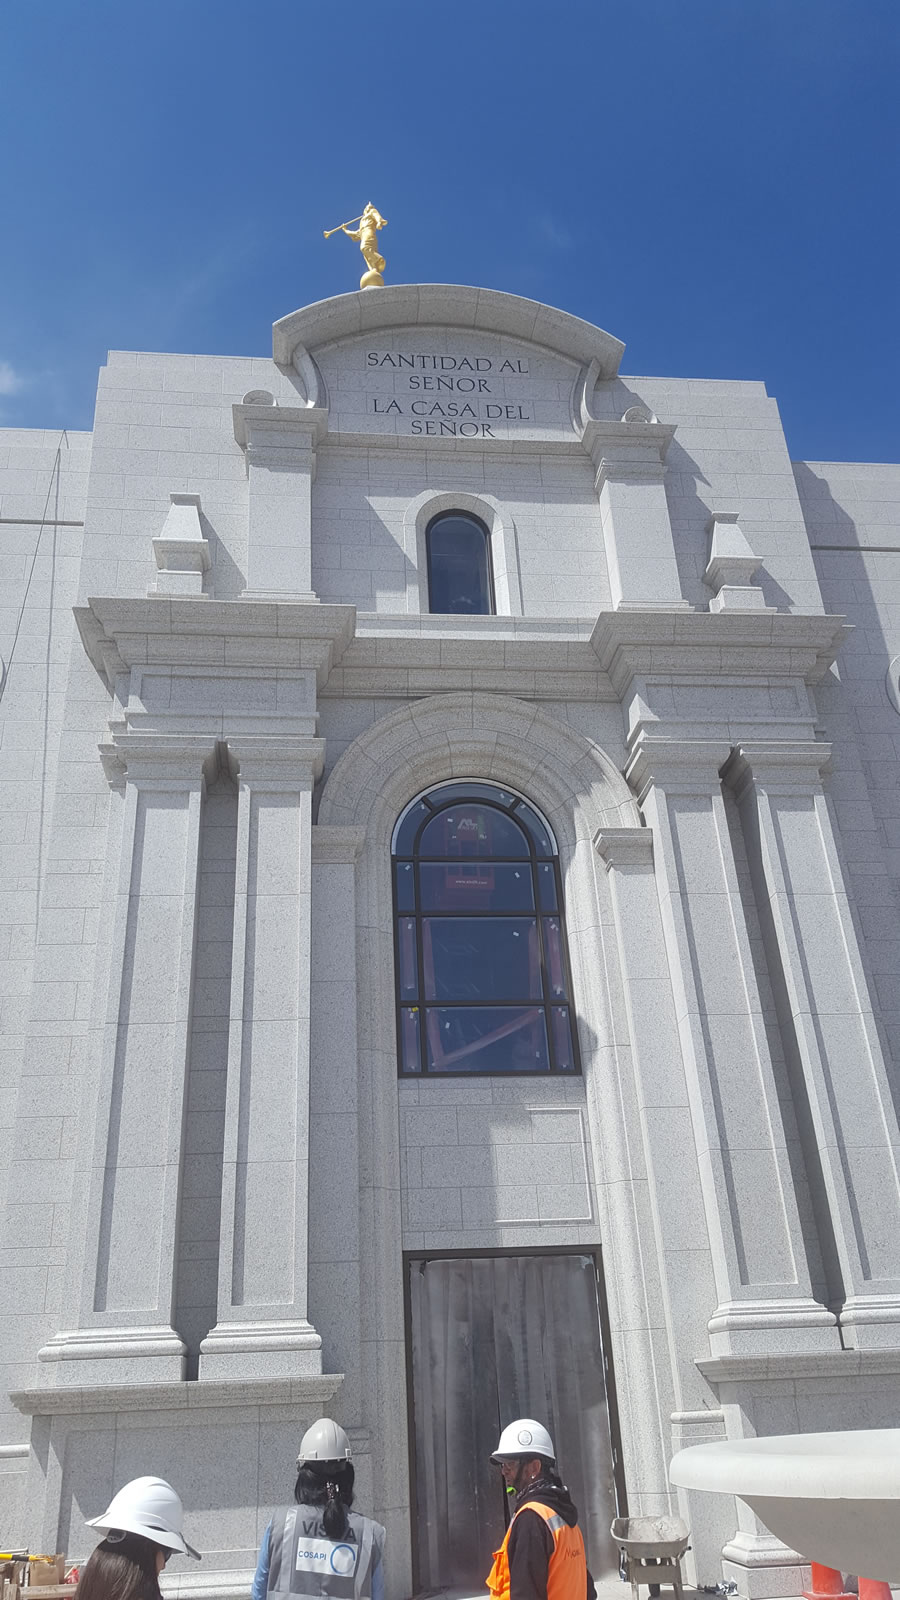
(531, 1542)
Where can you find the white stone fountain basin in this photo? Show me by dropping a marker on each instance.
(831, 1496)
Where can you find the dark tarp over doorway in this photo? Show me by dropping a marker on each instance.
(494, 1338)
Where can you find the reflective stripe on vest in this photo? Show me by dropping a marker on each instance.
(304, 1561)
(567, 1570)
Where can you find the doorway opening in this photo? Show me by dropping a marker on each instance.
(492, 1337)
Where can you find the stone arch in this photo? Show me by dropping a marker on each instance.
(501, 533)
(571, 779)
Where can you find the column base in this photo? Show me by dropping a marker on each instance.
(871, 1322)
(768, 1327)
(261, 1350)
(763, 1568)
(85, 1356)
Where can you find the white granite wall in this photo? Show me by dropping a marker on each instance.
(43, 477)
(853, 513)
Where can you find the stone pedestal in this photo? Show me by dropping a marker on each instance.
(828, 1019)
(629, 459)
(123, 1328)
(762, 1281)
(262, 1328)
(280, 448)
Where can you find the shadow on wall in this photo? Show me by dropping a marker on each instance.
(865, 755)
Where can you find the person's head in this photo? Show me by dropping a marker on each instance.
(124, 1566)
(143, 1528)
(524, 1454)
(325, 1474)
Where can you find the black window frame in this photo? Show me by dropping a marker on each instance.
(461, 516)
(479, 791)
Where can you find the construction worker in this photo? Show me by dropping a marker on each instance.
(143, 1526)
(320, 1547)
(542, 1556)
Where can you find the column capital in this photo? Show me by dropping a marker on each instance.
(156, 760)
(790, 766)
(279, 761)
(337, 845)
(624, 847)
(688, 765)
(273, 427)
(635, 451)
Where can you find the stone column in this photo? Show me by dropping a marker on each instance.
(262, 1328)
(637, 531)
(828, 1021)
(280, 448)
(123, 1331)
(762, 1280)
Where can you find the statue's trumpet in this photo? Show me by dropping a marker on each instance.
(330, 231)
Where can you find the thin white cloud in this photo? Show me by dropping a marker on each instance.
(10, 381)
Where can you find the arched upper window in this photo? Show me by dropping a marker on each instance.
(460, 580)
(482, 968)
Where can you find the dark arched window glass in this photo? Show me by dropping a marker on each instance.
(459, 565)
(483, 980)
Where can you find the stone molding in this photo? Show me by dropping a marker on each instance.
(794, 767)
(456, 306)
(282, 761)
(779, 1366)
(129, 1397)
(630, 451)
(91, 1344)
(700, 644)
(277, 428)
(501, 533)
(337, 846)
(624, 847)
(691, 765)
(120, 632)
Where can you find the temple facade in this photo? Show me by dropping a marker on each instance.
(449, 944)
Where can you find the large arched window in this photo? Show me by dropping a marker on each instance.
(482, 968)
(458, 553)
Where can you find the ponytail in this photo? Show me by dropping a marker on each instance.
(328, 1484)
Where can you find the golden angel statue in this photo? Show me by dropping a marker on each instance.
(367, 234)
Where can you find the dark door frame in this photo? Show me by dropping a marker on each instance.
(596, 1254)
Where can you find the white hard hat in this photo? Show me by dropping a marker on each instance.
(324, 1441)
(150, 1507)
(525, 1438)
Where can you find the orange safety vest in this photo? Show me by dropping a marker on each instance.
(567, 1572)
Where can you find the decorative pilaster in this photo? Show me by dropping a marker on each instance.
(629, 462)
(280, 447)
(263, 1328)
(122, 1329)
(829, 1020)
(762, 1282)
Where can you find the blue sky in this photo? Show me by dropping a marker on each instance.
(713, 181)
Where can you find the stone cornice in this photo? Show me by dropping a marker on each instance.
(119, 632)
(776, 1368)
(193, 1397)
(707, 645)
(789, 765)
(278, 427)
(624, 847)
(457, 306)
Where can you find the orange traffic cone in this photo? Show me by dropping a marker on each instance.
(874, 1589)
(827, 1584)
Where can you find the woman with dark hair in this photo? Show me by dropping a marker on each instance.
(143, 1527)
(320, 1547)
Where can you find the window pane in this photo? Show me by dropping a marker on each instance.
(406, 832)
(562, 1038)
(471, 791)
(543, 844)
(477, 886)
(480, 958)
(547, 887)
(472, 830)
(409, 1040)
(554, 957)
(406, 899)
(406, 945)
(486, 1039)
(458, 576)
